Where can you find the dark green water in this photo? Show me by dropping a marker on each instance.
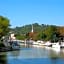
(32, 55)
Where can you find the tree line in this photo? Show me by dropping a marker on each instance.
(41, 31)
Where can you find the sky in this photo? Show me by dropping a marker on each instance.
(23, 12)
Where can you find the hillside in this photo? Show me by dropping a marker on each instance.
(41, 32)
(27, 28)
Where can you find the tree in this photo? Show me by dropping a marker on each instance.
(50, 32)
(4, 26)
(41, 36)
(20, 36)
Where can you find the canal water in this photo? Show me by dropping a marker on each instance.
(33, 55)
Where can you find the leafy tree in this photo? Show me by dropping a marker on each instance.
(50, 32)
(4, 26)
(41, 36)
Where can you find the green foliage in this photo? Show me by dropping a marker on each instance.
(41, 32)
(41, 36)
(50, 32)
(46, 34)
(4, 26)
(20, 37)
(27, 28)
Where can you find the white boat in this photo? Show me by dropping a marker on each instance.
(35, 43)
(48, 43)
(56, 45)
(62, 45)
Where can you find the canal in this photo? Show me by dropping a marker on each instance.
(32, 55)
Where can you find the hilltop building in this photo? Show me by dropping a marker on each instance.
(31, 33)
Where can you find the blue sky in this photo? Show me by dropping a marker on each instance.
(22, 12)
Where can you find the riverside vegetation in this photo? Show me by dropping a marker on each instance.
(4, 28)
(41, 31)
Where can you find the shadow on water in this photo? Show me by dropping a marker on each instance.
(56, 54)
(56, 57)
(3, 58)
(15, 53)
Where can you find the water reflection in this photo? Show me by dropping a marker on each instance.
(3, 58)
(55, 54)
(26, 46)
(28, 53)
(36, 52)
(14, 53)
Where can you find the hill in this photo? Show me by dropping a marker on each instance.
(27, 28)
(41, 32)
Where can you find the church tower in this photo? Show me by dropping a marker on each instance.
(32, 29)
